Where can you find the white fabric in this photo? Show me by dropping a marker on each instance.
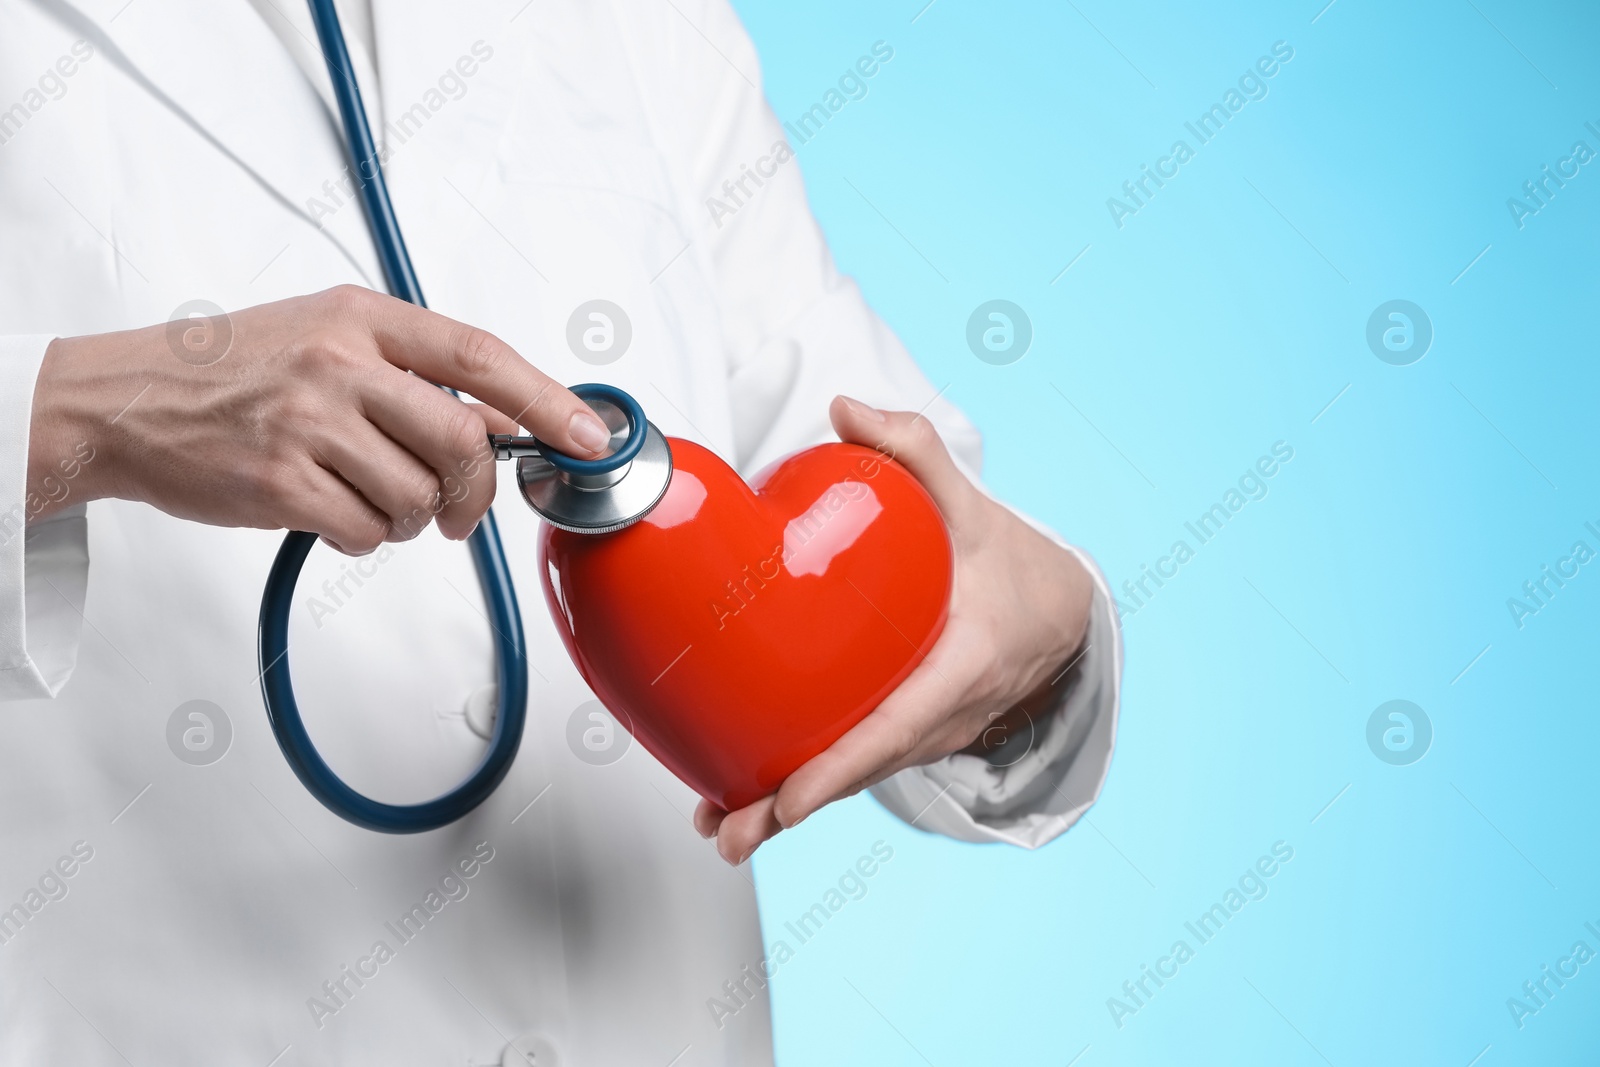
(41, 586)
(193, 155)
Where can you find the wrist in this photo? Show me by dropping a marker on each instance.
(1071, 598)
(67, 456)
(1063, 591)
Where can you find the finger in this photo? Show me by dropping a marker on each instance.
(744, 830)
(707, 818)
(496, 421)
(325, 504)
(893, 736)
(392, 480)
(444, 434)
(463, 357)
(909, 438)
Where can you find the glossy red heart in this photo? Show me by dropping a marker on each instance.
(738, 630)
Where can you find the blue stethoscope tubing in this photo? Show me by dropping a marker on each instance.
(488, 554)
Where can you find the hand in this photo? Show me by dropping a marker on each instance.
(305, 419)
(1019, 609)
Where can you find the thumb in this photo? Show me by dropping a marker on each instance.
(911, 440)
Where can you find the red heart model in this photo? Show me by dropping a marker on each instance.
(737, 631)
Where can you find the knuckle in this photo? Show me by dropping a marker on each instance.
(364, 537)
(318, 351)
(464, 433)
(453, 490)
(540, 410)
(300, 407)
(480, 354)
(541, 395)
(410, 524)
(921, 435)
(335, 352)
(458, 487)
(258, 480)
(422, 503)
(347, 299)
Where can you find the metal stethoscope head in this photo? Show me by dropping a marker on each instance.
(594, 496)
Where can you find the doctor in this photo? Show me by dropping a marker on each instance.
(168, 892)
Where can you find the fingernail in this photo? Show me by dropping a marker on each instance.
(742, 860)
(864, 410)
(590, 433)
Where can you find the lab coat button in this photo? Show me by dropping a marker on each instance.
(481, 710)
(532, 1049)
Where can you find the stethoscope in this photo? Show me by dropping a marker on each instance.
(584, 496)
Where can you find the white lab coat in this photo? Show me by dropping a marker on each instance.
(191, 153)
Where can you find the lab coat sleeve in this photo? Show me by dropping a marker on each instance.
(44, 564)
(797, 332)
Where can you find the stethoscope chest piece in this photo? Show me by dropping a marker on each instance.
(602, 495)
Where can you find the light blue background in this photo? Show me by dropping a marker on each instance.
(1220, 319)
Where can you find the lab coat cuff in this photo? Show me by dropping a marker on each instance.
(1030, 799)
(44, 564)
